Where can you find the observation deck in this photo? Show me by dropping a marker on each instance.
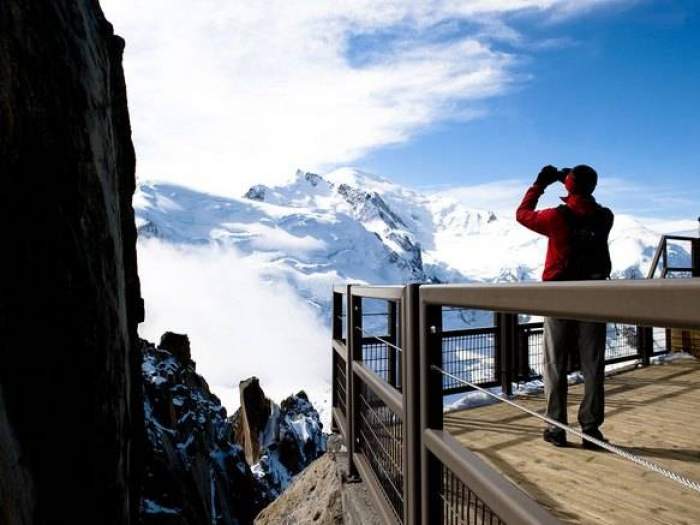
(398, 362)
(651, 412)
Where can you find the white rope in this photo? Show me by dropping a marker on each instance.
(370, 336)
(669, 474)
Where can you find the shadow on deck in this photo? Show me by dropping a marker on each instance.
(653, 412)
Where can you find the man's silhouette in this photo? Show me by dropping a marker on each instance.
(578, 250)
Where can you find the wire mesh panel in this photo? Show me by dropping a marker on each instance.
(622, 342)
(461, 505)
(380, 435)
(382, 360)
(340, 384)
(470, 355)
(532, 337)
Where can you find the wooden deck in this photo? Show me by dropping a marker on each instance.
(653, 412)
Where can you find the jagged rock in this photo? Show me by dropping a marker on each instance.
(195, 473)
(70, 409)
(252, 418)
(176, 344)
(256, 193)
(279, 440)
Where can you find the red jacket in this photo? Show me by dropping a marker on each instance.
(552, 223)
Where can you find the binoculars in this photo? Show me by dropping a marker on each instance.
(562, 173)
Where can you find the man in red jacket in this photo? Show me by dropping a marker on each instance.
(578, 250)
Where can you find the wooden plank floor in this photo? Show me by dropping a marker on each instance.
(653, 412)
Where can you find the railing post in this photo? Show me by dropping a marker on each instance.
(393, 339)
(336, 333)
(354, 346)
(430, 408)
(695, 243)
(645, 344)
(506, 348)
(410, 388)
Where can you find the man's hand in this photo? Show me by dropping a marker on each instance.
(548, 175)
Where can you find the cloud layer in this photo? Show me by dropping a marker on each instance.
(224, 94)
(239, 324)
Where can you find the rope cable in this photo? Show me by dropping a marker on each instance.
(378, 339)
(669, 474)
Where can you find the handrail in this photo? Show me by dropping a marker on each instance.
(667, 303)
(340, 347)
(388, 394)
(513, 505)
(390, 293)
(340, 288)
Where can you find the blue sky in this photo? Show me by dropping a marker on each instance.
(428, 93)
(620, 90)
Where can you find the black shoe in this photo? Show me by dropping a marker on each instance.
(555, 436)
(593, 432)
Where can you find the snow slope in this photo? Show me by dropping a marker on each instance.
(351, 226)
(279, 250)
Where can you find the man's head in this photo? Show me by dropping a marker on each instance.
(582, 180)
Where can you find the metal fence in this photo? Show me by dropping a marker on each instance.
(388, 389)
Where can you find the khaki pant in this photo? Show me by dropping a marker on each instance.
(561, 337)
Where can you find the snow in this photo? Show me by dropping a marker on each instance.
(249, 279)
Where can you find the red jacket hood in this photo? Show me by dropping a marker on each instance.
(580, 204)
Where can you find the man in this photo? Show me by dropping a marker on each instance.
(578, 250)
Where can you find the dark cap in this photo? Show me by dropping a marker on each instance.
(586, 179)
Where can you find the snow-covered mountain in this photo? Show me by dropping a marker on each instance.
(349, 226)
(249, 278)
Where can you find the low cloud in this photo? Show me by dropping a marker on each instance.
(239, 324)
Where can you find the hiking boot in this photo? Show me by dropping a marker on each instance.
(555, 436)
(593, 432)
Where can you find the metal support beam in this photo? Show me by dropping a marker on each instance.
(354, 338)
(696, 257)
(506, 348)
(645, 344)
(337, 327)
(391, 316)
(430, 407)
(410, 383)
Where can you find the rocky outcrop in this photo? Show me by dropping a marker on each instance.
(320, 495)
(70, 409)
(203, 468)
(279, 440)
(314, 497)
(195, 473)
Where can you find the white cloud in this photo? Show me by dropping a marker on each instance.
(239, 324)
(224, 94)
(622, 196)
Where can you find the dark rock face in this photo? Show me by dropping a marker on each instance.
(70, 410)
(176, 344)
(196, 461)
(195, 474)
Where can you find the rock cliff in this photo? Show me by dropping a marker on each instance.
(70, 409)
(204, 468)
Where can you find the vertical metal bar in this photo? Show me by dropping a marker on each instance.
(337, 315)
(506, 343)
(645, 344)
(391, 352)
(431, 407)
(337, 327)
(354, 346)
(665, 258)
(695, 249)
(410, 382)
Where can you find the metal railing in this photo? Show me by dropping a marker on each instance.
(393, 423)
